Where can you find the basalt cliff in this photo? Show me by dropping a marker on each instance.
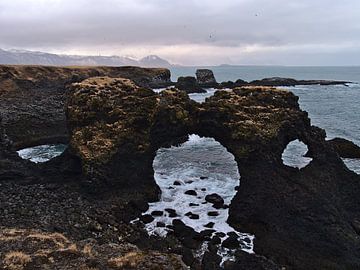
(84, 200)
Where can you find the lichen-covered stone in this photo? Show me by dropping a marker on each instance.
(116, 128)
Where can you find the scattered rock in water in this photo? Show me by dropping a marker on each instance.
(209, 225)
(192, 215)
(203, 189)
(220, 234)
(172, 212)
(213, 213)
(146, 218)
(191, 192)
(204, 177)
(215, 240)
(160, 224)
(216, 200)
(189, 182)
(193, 204)
(207, 233)
(157, 213)
(231, 242)
(177, 183)
(182, 230)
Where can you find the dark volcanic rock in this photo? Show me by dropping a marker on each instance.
(116, 128)
(246, 261)
(32, 98)
(205, 78)
(277, 81)
(146, 218)
(231, 242)
(345, 148)
(232, 85)
(172, 212)
(157, 213)
(191, 192)
(192, 215)
(215, 199)
(189, 85)
(301, 219)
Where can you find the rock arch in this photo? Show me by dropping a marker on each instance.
(116, 128)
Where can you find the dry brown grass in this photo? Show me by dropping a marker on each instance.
(58, 239)
(16, 260)
(88, 250)
(129, 260)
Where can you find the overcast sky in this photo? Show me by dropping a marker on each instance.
(191, 32)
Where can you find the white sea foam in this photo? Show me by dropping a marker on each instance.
(42, 153)
(202, 165)
(294, 155)
(353, 164)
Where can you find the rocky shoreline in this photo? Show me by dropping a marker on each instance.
(205, 79)
(114, 124)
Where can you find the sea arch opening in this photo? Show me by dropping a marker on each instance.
(198, 180)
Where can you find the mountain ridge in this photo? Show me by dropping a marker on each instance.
(25, 57)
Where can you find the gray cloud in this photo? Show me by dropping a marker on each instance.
(189, 32)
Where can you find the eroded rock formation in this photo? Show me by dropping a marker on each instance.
(302, 219)
(116, 128)
(32, 97)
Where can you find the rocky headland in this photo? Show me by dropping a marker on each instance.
(76, 209)
(205, 79)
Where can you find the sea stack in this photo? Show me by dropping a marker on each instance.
(205, 78)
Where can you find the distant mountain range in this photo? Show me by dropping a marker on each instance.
(23, 57)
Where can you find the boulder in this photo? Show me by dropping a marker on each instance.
(215, 199)
(345, 148)
(189, 85)
(205, 78)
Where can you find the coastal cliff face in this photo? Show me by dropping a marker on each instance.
(301, 219)
(32, 97)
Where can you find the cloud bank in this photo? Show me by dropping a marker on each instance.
(193, 32)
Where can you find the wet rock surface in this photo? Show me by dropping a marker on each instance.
(302, 219)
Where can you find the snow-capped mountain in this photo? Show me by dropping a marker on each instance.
(23, 57)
